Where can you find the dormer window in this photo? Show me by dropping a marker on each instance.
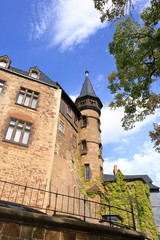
(5, 61)
(34, 75)
(34, 72)
(3, 64)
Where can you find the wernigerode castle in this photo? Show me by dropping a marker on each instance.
(51, 164)
(43, 132)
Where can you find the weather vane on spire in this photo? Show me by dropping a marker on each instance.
(87, 72)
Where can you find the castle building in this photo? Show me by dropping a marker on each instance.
(43, 132)
(51, 145)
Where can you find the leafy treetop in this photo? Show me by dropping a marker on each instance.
(136, 48)
(112, 10)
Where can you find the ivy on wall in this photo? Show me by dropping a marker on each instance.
(129, 195)
(136, 193)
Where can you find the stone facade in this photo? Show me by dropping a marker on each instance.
(29, 164)
(92, 156)
(41, 133)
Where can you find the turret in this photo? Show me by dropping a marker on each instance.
(89, 130)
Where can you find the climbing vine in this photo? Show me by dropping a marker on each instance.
(126, 195)
(135, 194)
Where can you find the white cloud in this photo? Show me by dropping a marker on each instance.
(43, 15)
(120, 149)
(73, 97)
(100, 81)
(111, 125)
(146, 161)
(66, 22)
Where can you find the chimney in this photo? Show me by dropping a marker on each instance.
(115, 169)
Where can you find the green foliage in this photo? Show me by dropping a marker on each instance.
(122, 194)
(136, 48)
(83, 184)
(155, 136)
(119, 195)
(112, 10)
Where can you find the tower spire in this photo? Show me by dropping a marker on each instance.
(87, 88)
(88, 98)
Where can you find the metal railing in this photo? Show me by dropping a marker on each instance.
(54, 203)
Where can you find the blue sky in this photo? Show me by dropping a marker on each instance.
(63, 38)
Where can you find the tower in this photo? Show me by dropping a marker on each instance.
(89, 130)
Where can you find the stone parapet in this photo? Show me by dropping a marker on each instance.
(23, 225)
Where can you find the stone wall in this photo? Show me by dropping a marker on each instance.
(22, 225)
(30, 164)
(91, 134)
(65, 177)
(48, 160)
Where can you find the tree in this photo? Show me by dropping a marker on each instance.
(112, 10)
(155, 135)
(136, 48)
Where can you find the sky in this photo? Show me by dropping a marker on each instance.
(64, 38)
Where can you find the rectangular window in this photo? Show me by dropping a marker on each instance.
(76, 120)
(18, 131)
(87, 171)
(61, 126)
(74, 141)
(84, 121)
(69, 111)
(84, 145)
(28, 98)
(1, 85)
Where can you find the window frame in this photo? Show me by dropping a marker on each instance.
(26, 97)
(3, 64)
(69, 110)
(83, 147)
(84, 121)
(34, 74)
(74, 141)
(20, 129)
(76, 120)
(61, 128)
(1, 84)
(87, 172)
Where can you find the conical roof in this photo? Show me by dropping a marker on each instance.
(87, 89)
(87, 98)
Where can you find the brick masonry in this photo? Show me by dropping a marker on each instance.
(48, 162)
(91, 134)
(32, 164)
